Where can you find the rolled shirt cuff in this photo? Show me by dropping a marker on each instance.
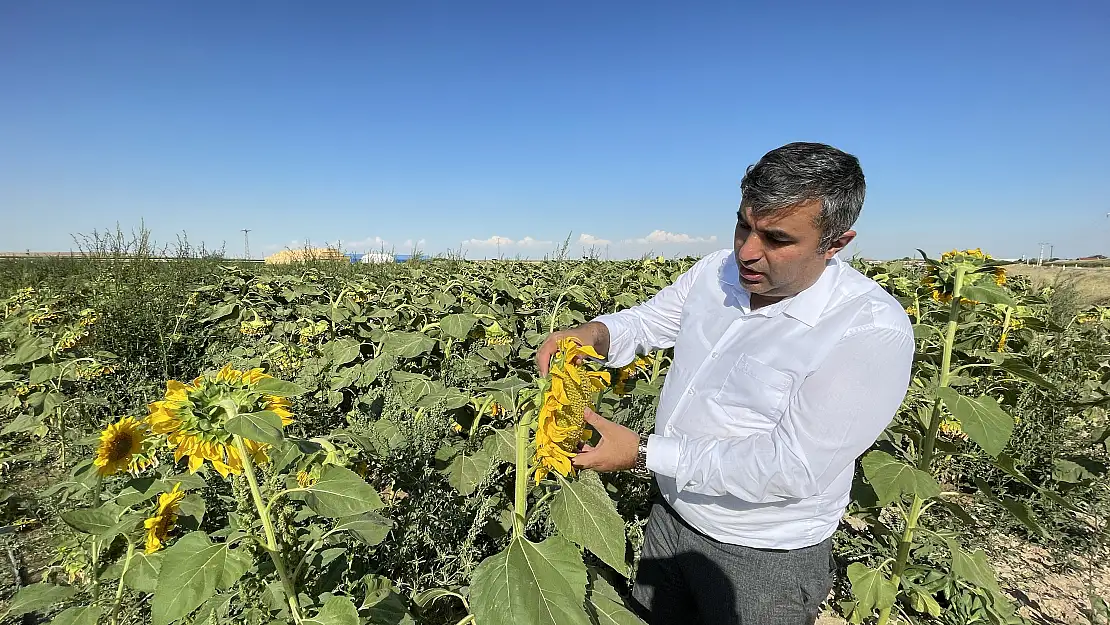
(622, 349)
(662, 455)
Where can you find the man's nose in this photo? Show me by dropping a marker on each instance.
(751, 249)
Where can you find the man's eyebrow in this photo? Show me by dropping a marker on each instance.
(772, 232)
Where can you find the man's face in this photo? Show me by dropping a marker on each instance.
(777, 254)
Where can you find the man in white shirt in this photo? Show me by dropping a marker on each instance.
(788, 364)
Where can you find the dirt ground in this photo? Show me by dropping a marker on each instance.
(1092, 283)
(1032, 577)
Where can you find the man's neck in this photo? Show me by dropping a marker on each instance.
(759, 301)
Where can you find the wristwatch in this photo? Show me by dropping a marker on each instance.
(641, 470)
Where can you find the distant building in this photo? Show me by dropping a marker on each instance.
(376, 257)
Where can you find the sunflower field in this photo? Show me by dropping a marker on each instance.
(203, 441)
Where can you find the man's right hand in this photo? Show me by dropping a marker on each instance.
(592, 334)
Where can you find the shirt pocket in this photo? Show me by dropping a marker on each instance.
(755, 386)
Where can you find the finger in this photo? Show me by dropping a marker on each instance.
(586, 448)
(597, 421)
(544, 354)
(585, 460)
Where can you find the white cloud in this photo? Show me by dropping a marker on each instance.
(662, 236)
(527, 241)
(589, 239)
(369, 244)
(494, 240)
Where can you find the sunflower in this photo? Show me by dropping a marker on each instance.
(70, 340)
(951, 428)
(254, 327)
(627, 372)
(941, 276)
(308, 477)
(192, 416)
(94, 370)
(562, 415)
(88, 317)
(937, 290)
(119, 442)
(999, 276)
(158, 526)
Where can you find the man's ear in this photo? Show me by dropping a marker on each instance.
(840, 243)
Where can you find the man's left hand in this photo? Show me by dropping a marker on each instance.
(616, 451)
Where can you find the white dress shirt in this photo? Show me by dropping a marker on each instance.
(764, 412)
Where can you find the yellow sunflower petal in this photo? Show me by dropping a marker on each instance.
(176, 391)
(195, 463)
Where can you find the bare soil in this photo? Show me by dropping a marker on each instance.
(1091, 283)
(1050, 592)
(1046, 590)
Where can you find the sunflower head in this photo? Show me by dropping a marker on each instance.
(568, 390)
(952, 429)
(119, 444)
(254, 327)
(641, 364)
(978, 269)
(308, 477)
(159, 525)
(87, 317)
(194, 417)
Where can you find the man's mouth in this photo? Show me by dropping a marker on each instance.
(748, 275)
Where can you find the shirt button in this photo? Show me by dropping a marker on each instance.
(689, 391)
(714, 355)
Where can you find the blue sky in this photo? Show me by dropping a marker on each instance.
(978, 124)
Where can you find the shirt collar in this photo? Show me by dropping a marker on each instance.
(806, 306)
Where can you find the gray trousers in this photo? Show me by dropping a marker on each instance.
(687, 578)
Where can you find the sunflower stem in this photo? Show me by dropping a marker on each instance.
(1005, 329)
(62, 436)
(274, 499)
(925, 461)
(520, 506)
(478, 418)
(271, 545)
(119, 587)
(95, 555)
(555, 313)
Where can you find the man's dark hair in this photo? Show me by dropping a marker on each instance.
(803, 172)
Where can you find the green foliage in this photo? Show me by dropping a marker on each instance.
(391, 496)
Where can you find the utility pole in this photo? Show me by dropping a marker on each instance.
(1040, 255)
(246, 245)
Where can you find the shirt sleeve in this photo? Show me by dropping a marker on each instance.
(652, 324)
(839, 411)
